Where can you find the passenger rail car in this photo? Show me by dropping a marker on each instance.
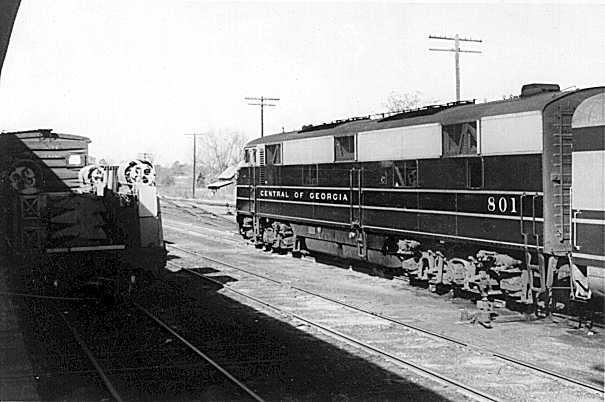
(498, 198)
(71, 221)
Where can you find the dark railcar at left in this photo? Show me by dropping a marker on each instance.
(73, 222)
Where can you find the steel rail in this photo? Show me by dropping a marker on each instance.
(460, 342)
(92, 359)
(223, 371)
(192, 205)
(41, 296)
(418, 368)
(558, 315)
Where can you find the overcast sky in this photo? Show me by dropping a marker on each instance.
(136, 75)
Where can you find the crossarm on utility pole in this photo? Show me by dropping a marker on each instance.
(457, 52)
(262, 105)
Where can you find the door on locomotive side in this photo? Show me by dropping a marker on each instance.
(588, 190)
(246, 178)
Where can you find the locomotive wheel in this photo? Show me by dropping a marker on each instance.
(441, 288)
(456, 292)
(299, 246)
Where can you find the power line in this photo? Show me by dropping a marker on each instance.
(194, 135)
(262, 105)
(457, 52)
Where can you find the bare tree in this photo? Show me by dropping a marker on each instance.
(397, 101)
(217, 150)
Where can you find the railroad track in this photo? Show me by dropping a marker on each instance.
(189, 206)
(91, 357)
(198, 352)
(482, 356)
(218, 237)
(105, 373)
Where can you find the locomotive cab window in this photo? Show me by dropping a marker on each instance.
(247, 156)
(405, 174)
(273, 154)
(344, 148)
(460, 139)
(474, 173)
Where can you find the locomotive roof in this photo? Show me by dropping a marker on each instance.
(456, 114)
(44, 133)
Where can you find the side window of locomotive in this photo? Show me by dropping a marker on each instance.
(344, 148)
(474, 173)
(310, 177)
(247, 156)
(405, 174)
(273, 154)
(460, 139)
(253, 157)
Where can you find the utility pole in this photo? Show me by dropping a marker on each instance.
(262, 105)
(194, 135)
(457, 52)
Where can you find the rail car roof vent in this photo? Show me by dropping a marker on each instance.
(423, 111)
(535, 89)
(325, 126)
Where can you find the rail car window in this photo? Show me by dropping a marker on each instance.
(310, 176)
(273, 154)
(344, 148)
(474, 173)
(247, 156)
(460, 139)
(405, 174)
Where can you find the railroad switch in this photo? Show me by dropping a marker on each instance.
(485, 307)
(482, 316)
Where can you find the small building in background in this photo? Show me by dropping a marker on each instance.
(226, 178)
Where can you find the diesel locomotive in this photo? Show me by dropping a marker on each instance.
(72, 222)
(502, 198)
